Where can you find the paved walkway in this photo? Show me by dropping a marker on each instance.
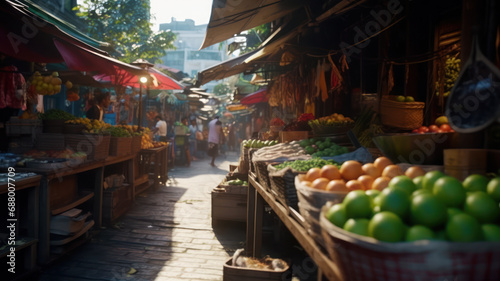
(167, 235)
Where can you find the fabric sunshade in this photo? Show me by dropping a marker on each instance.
(257, 97)
(158, 80)
(232, 17)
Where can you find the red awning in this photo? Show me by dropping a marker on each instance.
(157, 80)
(256, 97)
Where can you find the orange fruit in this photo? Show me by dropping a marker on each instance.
(330, 172)
(351, 170)
(395, 200)
(392, 171)
(357, 204)
(336, 214)
(386, 226)
(354, 185)
(308, 183)
(414, 171)
(430, 178)
(367, 181)
(313, 174)
(475, 182)
(337, 186)
(450, 191)
(427, 210)
(370, 170)
(463, 228)
(403, 182)
(493, 188)
(491, 232)
(358, 226)
(380, 183)
(381, 163)
(481, 206)
(419, 232)
(320, 183)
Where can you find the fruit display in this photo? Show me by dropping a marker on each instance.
(45, 85)
(28, 116)
(66, 153)
(404, 99)
(91, 126)
(119, 132)
(451, 72)
(56, 114)
(322, 147)
(431, 206)
(236, 182)
(301, 123)
(305, 165)
(252, 143)
(334, 120)
(277, 122)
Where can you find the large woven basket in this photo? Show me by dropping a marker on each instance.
(310, 203)
(401, 115)
(262, 173)
(364, 258)
(283, 185)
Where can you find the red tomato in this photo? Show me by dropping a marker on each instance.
(423, 129)
(415, 131)
(445, 127)
(440, 131)
(433, 128)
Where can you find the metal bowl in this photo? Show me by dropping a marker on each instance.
(425, 149)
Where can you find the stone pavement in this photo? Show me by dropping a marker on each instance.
(166, 235)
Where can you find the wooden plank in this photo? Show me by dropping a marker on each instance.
(250, 220)
(324, 263)
(86, 228)
(21, 184)
(80, 200)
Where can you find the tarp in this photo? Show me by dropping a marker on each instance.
(232, 17)
(157, 79)
(257, 97)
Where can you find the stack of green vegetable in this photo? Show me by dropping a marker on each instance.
(56, 114)
(237, 182)
(118, 132)
(322, 147)
(305, 165)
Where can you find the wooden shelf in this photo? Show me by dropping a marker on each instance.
(84, 229)
(82, 199)
(325, 265)
(141, 180)
(29, 241)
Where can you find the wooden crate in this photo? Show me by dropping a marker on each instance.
(116, 201)
(286, 136)
(235, 273)
(229, 207)
(120, 146)
(96, 146)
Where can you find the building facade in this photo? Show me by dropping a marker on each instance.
(187, 57)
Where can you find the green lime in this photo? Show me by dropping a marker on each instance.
(418, 181)
(475, 182)
(357, 204)
(491, 232)
(404, 182)
(493, 188)
(358, 226)
(419, 232)
(386, 226)
(428, 210)
(396, 200)
(336, 215)
(481, 206)
(463, 228)
(450, 191)
(430, 178)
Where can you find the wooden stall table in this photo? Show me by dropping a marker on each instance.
(62, 190)
(154, 161)
(257, 195)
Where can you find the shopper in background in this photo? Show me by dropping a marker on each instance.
(193, 129)
(160, 129)
(102, 101)
(214, 138)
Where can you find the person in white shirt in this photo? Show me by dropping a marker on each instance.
(214, 137)
(160, 128)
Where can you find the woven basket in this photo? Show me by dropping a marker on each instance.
(96, 146)
(251, 165)
(364, 258)
(283, 185)
(262, 174)
(310, 203)
(120, 146)
(401, 115)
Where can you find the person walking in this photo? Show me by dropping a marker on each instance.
(214, 137)
(193, 129)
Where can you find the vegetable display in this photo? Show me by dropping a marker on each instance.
(305, 165)
(56, 114)
(322, 148)
(257, 143)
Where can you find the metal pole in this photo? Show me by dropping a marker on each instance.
(139, 118)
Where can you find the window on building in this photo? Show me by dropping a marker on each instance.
(202, 55)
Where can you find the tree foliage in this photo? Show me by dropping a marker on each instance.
(125, 25)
